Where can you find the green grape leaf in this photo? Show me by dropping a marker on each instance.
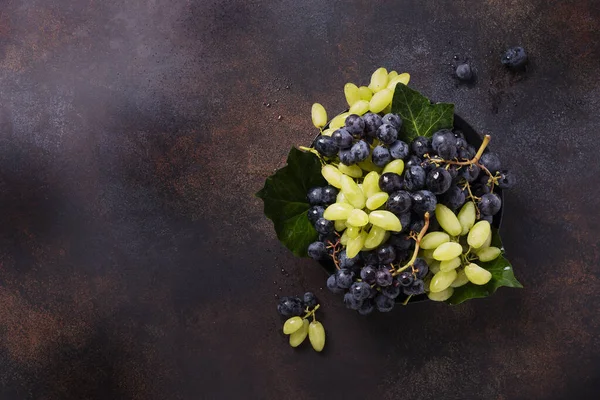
(502, 275)
(419, 116)
(285, 203)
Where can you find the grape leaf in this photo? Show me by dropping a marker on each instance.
(285, 203)
(419, 116)
(502, 275)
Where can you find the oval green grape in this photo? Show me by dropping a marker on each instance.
(292, 325)
(477, 275)
(352, 192)
(396, 166)
(332, 175)
(447, 251)
(296, 338)
(379, 80)
(441, 296)
(344, 238)
(386, 220)
(318, 115)
(337, 211)
(434, 266)
(358, 218)
(352, 93)
(377, 200)
(353, 231)
(447, 220)
(392, 75)
(365, 93)
(316, 335)
(433, 239)
(466, 217)
(380, 100)
(479, 234)
(360, 107)
(448, 265)
(339, 225)
(355, 245)
(486, 254)
(371, 184)
(487, 243)
(339, 120)
(441, 281)
(375, 237)
(402, 78)
(461, 279)
(351, 170)
(340, 198)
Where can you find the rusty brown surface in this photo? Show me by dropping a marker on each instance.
(135, 262)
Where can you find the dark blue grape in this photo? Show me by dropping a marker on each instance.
(441, 137)
(470, 172)
(460, 142)
(372, 123)
(346, 157)
(405, 219)
(487, 218)
(290, 307)
(428, 166)
(329, 194)
(391, 291)
(453, 198)
(489, 204)
(351, 302)
(417, 288)
(387, 134)
(392, 119)
(366, 308)
(464, 72)
(355, 125)
(399, 202)
(310, 300)
(360, 150)
(344, 278)
(406, 278)
(506, 180)
(402, 255)
(479, 189)
(421, 268)
(314, 213)
(328, 238)
(447, 151)
(424, 201)
(401, 242)
(399, 150)
(386, 254)
(384, 303)
(343, 138)
(332, 284)
(421, 146)
(360, 290)
(318, 251)
(467, 153)
(438, 180)
(369, 257)
(324, 226)
(414, 178)
(326, 146)
(515, 57)
(369, 274)
(417, 223)
(315, 196)
(491, 161)
(381, 156)
(390, 182)
(412, 161)
(349, 263)
(383, 277)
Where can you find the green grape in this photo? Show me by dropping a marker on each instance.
(360, 107)
(339, 225)
(338, 211)
(352, 94)
(377, 200)
(434, 266)
(328, 132)
(319, 115)
(433, 239)
(316, 335)
(375, 237)
(292, 325)
(461, 279)
(340, 198)
(441, 296)
(353, 231)
(479, 234)
(450, 264)
(358, 218)
(298, 337)
(365, 93)
(447, 251)
(379, 80)
(351, 170)
(344, 238)
(442, 280)
(486, 254)
(368, 165)
(487, 243)
(332, 175)
(392, 75)
(477, 275)
(338, 121)
(427, 254)
(403, 78)
(396, 166)
(371, 184)
(355, 245)
(466, 217)
(386, 220)
(352, 192)
(447, 220)
(380, 100)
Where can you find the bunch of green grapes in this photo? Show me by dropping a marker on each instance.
(453, 254)
(298, 328)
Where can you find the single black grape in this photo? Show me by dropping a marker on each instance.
(453, 198)
(360, 150)
(421, 146)
(479, 189)
(355, 125)
(349, 263)
(404, 220)
(315, 196)
(344, 278)
(438, 180)
(360, 290)
(506, 180)
(366, 308)
(390, 182)
(314, 213)
(318, 251)
(417, 223)
(421, 268)
(417, 288)
(326, 146)
(464, 72)
(467, 153)
(399, 202)
(447, 151)
(491, 161)
(342, 138)
(381, 156)
(440, 137)
(332, 284)
(351, 302)
(384, 303)
(346, 156)
(399, 150)
(324, 226)
(329, 194)
(406, 278)
(515, 57)
(290, 307)
(386, 254)
(424, 201)
(470, 172)
(401, 242)
(369, 274)
(412, 161)
(489, 204)
(387, 134)
(391, 291)
(392, 119)
(369, 257)
(372, 123)
(383, 277)
(414, 178)
(310, 300)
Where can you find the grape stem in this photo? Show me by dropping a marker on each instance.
(334, 246)
(417, 245)
(405, 302)
(314, 151)
(312, 312)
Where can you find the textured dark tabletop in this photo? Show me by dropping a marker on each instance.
(135, 262)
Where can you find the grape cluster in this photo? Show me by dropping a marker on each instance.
(297, 326)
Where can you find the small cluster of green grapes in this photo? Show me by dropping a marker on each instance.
(298, 328)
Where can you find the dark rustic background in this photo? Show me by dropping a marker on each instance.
(135, 262)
